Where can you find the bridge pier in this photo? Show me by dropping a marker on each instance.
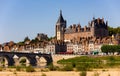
(27, 63)
(33, 61)
(16, 60)
(38, 62)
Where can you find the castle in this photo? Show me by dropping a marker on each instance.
(96, 28)
(83, 39)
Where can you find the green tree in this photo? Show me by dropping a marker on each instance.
(26, 39)
(113, 30)
(20, 43)
(110, 48)
(104, 49)
(34, 41)
(118, 47)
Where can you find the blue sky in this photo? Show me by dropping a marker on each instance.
(21, 18)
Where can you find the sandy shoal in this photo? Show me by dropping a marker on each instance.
(61, 73)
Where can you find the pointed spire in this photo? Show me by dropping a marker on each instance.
(61, 12)
(60, 19)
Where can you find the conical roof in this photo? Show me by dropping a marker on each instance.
(60, 19)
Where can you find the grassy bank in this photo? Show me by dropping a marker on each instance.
(91, 62)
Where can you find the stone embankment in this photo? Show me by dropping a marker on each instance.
(59, 57)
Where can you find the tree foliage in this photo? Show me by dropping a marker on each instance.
(110, 48)
(113, 30)
(26, 39)
(20, 43)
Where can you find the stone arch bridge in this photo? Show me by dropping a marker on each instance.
(13, 58)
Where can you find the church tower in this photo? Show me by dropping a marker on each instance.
(60, 27)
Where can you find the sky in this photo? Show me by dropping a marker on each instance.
(21, 18)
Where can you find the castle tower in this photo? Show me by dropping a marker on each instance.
(60, 27)
(99, 28)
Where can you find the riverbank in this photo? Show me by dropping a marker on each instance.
(99, 72)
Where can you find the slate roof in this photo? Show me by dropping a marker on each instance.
(67, 31)
(60, 19)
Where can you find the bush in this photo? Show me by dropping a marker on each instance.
(30, 69)
(83, 67)
(73, 64)
(14, 72)
(11, 66)
(23, 62)
(96, 74)
(45, 70)
(1, 69)
(83, 73)
(18, 68)
(68, 68)
(51, 67)
(43, 74)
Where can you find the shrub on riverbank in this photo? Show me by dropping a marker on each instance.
(30, 69)
(52, 67)
(18, 68)
(83, 73)
(43, 74)
(1, 68)
(67, 68)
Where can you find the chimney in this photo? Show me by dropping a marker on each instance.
(98, 20)
(85, 28)
(102, 20)
(78, 27)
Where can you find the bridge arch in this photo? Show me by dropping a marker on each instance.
(6, 60)
(11, 58)
(23, 61)
(46, 59)
(41, 61)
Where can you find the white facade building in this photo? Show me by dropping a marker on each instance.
(50, 49)
(91, 46)
(75, 48)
